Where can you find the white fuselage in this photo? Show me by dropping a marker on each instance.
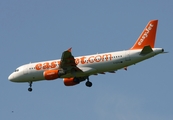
(90, 65)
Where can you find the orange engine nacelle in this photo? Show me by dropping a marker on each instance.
(69, 82)
(51, 74)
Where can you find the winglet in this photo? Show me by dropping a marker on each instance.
(147, 37)
(69, 50)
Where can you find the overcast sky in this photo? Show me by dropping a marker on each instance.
(38, 30)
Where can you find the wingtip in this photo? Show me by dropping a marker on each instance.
(69, 50)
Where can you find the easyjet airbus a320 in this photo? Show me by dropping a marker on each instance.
(74, 70)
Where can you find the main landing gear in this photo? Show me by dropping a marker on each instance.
(30, 86)
(88, 83)
(77, 80)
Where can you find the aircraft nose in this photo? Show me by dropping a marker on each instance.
(10, 77)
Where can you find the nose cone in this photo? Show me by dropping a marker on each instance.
(10, 77)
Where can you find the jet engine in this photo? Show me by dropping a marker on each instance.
(70, 81)
(53, 74)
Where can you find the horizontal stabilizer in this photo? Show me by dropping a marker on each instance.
(146, 50)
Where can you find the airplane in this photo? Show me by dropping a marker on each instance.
(75, 70)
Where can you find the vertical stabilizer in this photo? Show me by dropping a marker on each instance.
(147, 37)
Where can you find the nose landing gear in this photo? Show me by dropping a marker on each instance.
(30, 86)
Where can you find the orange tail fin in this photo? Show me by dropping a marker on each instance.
(147, 37)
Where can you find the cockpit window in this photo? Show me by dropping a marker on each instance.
(16, 70)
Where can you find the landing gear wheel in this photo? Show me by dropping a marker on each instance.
(88, 84)
(29, 89)
(30, 86)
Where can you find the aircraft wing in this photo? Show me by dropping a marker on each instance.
(68, 62)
